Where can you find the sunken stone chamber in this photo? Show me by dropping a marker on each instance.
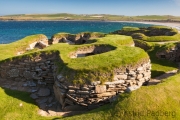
(91, 50)
(32, 74)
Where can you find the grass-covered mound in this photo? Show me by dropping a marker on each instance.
(99, 66)
(11, 49)
(151, 34)
(159, 102)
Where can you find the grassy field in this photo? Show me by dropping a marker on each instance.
(106, 17)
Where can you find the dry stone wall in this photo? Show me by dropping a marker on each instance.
(173, 54)
(32, 74)
(93, 95)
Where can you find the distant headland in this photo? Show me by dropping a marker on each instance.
(88, 17)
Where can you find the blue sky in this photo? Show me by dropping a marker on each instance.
(118, 7)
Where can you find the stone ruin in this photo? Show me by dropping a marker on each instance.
(39, 76)
(70, 39)
(171, 54)
(32, 74)
(95, 94)
(80, 38)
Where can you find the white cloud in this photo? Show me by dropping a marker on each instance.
(177, 2)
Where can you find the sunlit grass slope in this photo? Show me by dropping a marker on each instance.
(17, 105)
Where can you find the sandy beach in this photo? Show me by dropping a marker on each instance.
(169, 24)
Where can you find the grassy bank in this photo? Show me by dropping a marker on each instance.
(10, 50)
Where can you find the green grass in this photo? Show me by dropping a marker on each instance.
(11, 109)
(140, 36)
(11, 49)
(175, 37)
(130, 28)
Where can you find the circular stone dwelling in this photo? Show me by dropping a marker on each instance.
(81, 76)
(94, 73)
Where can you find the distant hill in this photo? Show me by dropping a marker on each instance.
(99, 17)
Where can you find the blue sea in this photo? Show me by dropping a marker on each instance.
(11, 31)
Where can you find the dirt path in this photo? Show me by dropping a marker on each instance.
(158, 79)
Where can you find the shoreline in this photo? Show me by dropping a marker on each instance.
(169, 24)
